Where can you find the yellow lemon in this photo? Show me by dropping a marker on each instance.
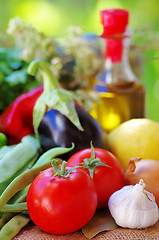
(135, 138)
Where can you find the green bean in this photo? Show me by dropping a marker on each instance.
(17, 158)
(5, 149)
(20, 182)
(12, 228)
(50, 154)
(20, 196)
(17, 207)
(7, 216)
(27, 166)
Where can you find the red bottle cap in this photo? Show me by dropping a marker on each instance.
(114, 21)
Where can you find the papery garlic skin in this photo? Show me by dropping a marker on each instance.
(133, 207)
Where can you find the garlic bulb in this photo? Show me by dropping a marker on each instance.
(133, 207)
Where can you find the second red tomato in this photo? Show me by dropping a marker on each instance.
(107, 179)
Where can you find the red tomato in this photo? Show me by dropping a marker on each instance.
(107, 179)
(61, 205)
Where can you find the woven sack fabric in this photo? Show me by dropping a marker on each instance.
(31, 232)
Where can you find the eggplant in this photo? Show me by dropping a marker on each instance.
(56, 130)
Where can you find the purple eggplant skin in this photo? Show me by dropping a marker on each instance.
(56, 130)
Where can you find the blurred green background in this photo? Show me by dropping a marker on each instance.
(53, 17)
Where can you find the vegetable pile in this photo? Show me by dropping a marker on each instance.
(14, 190)
(55, 165)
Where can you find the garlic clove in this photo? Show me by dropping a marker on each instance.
(133, 207)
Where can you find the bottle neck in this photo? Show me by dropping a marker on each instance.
(118, 76)
(114, 49)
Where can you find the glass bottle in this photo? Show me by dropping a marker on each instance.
(121, 95)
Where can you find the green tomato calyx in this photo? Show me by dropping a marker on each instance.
(62, 171)
(92, 163)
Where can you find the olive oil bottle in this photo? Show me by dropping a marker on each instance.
(121, 95)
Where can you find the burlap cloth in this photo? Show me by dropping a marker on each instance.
(31, 232)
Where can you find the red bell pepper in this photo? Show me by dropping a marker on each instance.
(17, 120)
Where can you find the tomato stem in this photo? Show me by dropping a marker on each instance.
(57, 171)
(92, 162)
(62, 172)
(63, 168)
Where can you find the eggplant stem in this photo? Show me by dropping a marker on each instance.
(53, 96)
(50, 82)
